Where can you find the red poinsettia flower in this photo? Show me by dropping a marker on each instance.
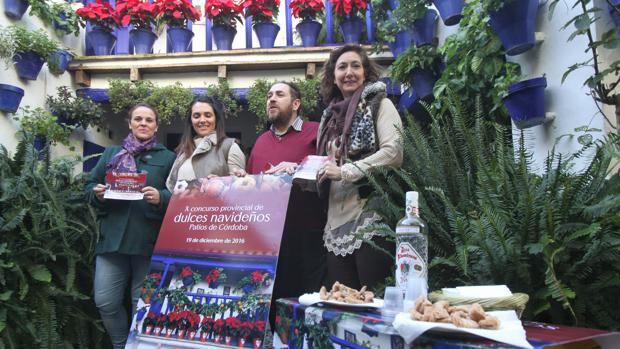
(176, 13)
(100, 14)
(256, 277)
(219, 326)
(347, 8)
(307, 9)
(186, 271)
(140, 13)
(258, 329)
(224, 12)
(262, 11)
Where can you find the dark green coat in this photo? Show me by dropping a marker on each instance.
(131, 227)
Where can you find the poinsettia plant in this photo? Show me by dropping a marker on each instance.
(216, 276)
(150, 319)
(348, 8)
(224, 12)
(187, 273)
(233, 325)
(140, 13)
(258, 329)
(256, 280)
(245, 329)
(219, 327)
(262, 11)
(307, 9)
(100, 14)
(176, 13)
(173, 319)
(206, 325)
(150, 284)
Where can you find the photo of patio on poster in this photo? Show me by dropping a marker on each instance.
(213, 266)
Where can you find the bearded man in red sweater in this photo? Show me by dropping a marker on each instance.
(301, 262)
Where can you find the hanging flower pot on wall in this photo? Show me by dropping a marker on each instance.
(450, 10)
(28, 65)
(142, 41)
(526, 102)
(102, 41)
(223, 36)
(422, 82)
(393, 4)
(266, 33)
(351, 28)
(424, 28)
(402, 41)
(515, 24)
(10, 97)
(309, 31)
(179, 38)
(59, 61)
(407, 99)
(15, 9)
(613, 11)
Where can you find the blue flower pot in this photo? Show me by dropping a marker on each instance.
(247, 288)
(402, 41)
(266, 33)
(309, 31)
(526, 102)
(188, 280)
(450, 10)
(61, 60)
(39, 144)
(140, 314)
(28, 64)
(351, 29)
(515, 24)
(407, 100)
(392, 89)
(101, 41)
(223, 36)
(179, 39)
(214, 284)
(424, 28)
(422, 82)
(156, 306)
(393, 4)
(142, 41)
(15, 9)
(10, 97)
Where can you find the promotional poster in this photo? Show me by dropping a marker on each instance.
(213, 266)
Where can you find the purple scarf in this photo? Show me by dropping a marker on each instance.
(124, 160)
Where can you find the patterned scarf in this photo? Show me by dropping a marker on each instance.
(124, 160)
(351, 123)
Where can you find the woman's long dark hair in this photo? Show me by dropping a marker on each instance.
(329, 90)
(187, 145)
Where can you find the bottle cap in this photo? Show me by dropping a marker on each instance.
(412, 196)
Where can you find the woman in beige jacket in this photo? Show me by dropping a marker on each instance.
(359, 131)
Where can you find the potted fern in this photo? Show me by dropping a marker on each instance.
(74, 110)
(31, 50)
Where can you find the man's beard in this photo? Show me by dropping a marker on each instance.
(282, 116)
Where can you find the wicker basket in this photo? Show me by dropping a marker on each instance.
(515, 302)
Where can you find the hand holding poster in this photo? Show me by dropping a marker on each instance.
(213, 266)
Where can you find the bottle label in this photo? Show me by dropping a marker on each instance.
(409, 263)
(411, 210)
(408, 230)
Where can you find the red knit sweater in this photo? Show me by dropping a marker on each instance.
(304, 210)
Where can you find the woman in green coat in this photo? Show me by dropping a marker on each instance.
(128, 228)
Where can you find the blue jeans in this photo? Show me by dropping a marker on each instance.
(112, 273)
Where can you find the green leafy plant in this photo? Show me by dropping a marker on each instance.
(64, 19)
(226, 95)
(39, 122)
(257, 99)
(172, 101)
(35, 41)
(424, 57)
(8, 47)
(403, 18)
(46, 254)
(125, 94)
(74, 109)
(601, 90)
(494, 220)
